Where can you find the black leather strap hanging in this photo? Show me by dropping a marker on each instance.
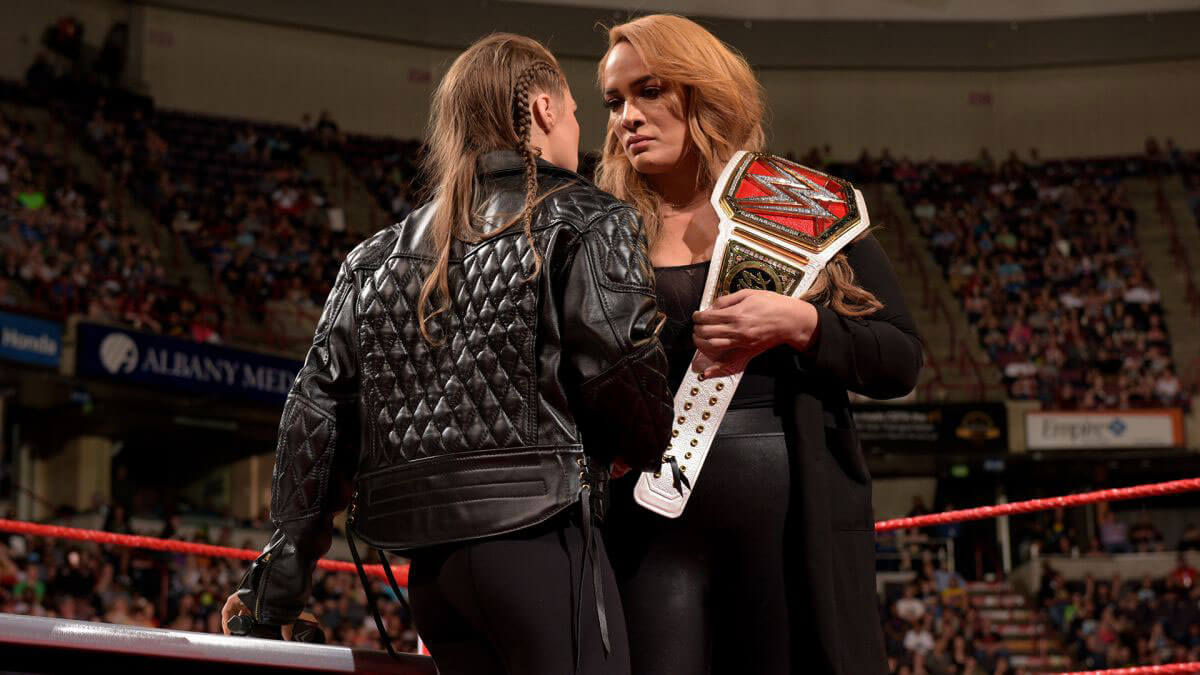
(387, 571)
(384, 639)
(590, 556)
(678, 478)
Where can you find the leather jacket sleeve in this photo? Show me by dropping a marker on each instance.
(315, 460)
(610, 336)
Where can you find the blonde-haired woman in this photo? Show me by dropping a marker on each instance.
(475, 370)
(771, 567)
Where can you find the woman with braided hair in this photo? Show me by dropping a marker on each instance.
(770, 569)
(476, 371)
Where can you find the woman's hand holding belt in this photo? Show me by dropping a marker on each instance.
(742, 325)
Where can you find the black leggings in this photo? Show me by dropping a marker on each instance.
(705, 593)
(507, 604)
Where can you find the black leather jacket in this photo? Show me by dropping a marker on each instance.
(534, 388)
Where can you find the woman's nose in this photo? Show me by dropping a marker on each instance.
(631, 117)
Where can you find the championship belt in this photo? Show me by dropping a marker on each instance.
(780, 224)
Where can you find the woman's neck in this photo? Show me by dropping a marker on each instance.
(688, 226)
(679, 188)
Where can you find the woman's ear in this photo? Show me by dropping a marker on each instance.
(543, 112)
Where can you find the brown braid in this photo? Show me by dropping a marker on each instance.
(523, 128)
(476, 110)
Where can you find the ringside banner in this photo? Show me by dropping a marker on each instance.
(965, 427)
(1067, 430)
(30, 340)
(160, 361)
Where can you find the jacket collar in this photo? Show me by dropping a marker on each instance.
(505, 162)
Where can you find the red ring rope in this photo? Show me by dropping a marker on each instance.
(944, 518)
(1046, 504)
(978, 513)
(175, 546)
(1191, 667)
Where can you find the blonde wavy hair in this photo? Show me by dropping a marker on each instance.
(723, 105)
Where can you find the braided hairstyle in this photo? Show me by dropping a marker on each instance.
(482, 104)
(523, 127)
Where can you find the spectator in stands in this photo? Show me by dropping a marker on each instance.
(1183, 577)
(388, 168)
(39, 77)
(1193, 196)
(1114, 534)
(1048, 268)
(1167, 388)
(223, 211)
(64, 243)
(53, 578)
(919, 638)
(286, 199)
(65, 36)
(8, 298)
(245, 144)
(1190, 540)
(909, 607)
(1059, 536)
(327, 130)
(1144, 536)
(946, 636)
(918, 507)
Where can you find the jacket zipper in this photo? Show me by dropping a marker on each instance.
(262, 587)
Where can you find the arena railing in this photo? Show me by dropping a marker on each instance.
(1177, 248)
(959, 353)
(1190, 372)
(908, 547)
(1191, 377)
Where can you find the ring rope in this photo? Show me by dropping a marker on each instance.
(174, 546)
(944, 518)
(1045, 504)
(1170, 668)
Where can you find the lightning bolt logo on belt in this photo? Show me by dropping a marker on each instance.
(787, 193)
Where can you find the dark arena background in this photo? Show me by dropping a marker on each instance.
(180, 180)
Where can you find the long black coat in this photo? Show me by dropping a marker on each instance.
(830, 535)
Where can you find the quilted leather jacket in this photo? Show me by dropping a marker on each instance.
(514, 414)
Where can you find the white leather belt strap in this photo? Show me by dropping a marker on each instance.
(780, 224)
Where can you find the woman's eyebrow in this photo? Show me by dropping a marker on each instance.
(636, 83)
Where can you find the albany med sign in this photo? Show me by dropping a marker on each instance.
(159, 361)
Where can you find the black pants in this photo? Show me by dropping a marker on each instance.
(705, 593)
(508, 604)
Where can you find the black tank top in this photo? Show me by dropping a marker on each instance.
(679, 291)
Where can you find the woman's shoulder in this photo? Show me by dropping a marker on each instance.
(376, 248)
(866, 250)
(584, 206)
